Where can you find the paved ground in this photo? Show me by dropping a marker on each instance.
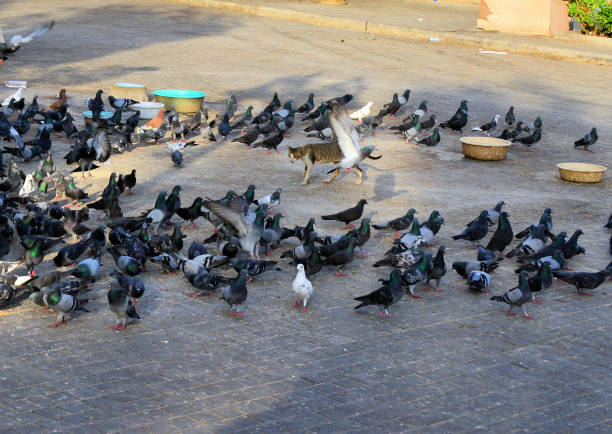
(448, 362)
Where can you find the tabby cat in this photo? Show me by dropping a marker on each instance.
(321, 153)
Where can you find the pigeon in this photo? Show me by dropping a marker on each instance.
(15, 42)
(555, 262)
(533, 243)
(493, 214)
(249, 233)
(339, 101)
(135, 287)
(588, 140)
(477, 230)
(541, 281)
(517, 296)
(271, 142)
(410, 240)
(126, 264)
(431, 227)
(245, 120)
(64, 304)
(391, 108)
(272, 200)
(121, 305)
(464, 268)
(431, 140)
(584, 280)
(390, 293)
(510, 116)
(302, 288)
(406, 127)
(362, 112)
(479, 281)
(502, 236)
(120, 103)
(348, 140)
(236, 294)
(398, 224)
(400, 260)
(341, 258)
(416, 274)
(251, 134)
(438, 271)
(530, 139)
(488, 126)
(484, 253)
(254, 267)
(308, 105)
(321, 122)
(224, 126)
(302, 232)
(536, 124)
(545, 219)
(177, 158)
(571, 247)
(459, 119)
(272, 235)
(231, 106)
(609, 224)
(167, 261)
(302, 251)
(129, 180)
(349, 215)
(548, 250)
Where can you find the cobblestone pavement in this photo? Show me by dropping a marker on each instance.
(448, 362)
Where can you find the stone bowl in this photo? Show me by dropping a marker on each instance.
(581, 172)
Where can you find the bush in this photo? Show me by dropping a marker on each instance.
(593, 15)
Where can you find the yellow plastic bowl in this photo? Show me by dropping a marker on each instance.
(184, 101)
(485, 148)
(581, 172)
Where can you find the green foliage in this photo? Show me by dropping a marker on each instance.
(593, 15)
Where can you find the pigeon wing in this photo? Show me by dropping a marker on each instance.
(229, 216)
(346, 133)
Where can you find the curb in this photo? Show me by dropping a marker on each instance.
(483, 41)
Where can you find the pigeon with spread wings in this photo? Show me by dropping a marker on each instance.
(348, 140)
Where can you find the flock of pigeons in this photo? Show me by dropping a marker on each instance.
(45, 206)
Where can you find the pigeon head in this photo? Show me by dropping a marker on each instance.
(300, 267)
(362, 202)
(406, 93)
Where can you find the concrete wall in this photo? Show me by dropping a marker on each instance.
(531, 17)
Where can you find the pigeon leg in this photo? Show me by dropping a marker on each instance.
(398, 235)
(537, 300)
(297, 303)
(584, 294)
(411, 292)
(525, 313)
(510, 313)
(339, 273)
(195, 294)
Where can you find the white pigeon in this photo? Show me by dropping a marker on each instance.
(27, 187)
(362, 112)
(302, 288)
(16, 96)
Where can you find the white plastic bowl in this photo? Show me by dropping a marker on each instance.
(148, 110)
